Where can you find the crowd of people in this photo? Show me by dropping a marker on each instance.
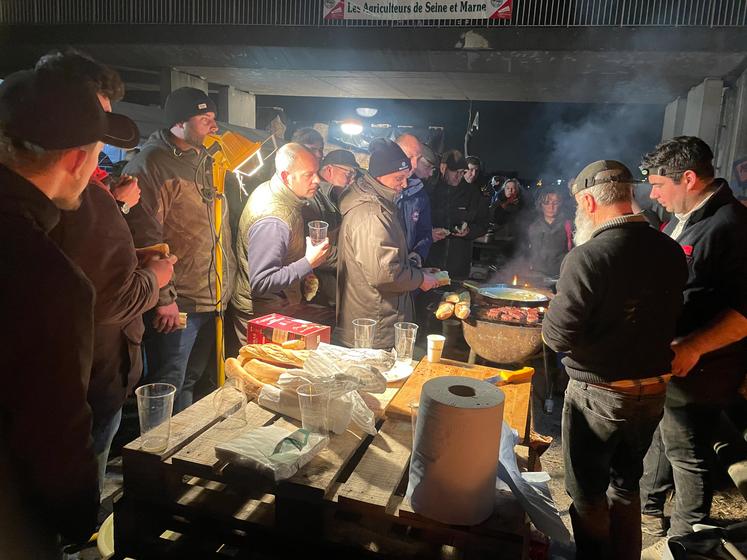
(88, 290)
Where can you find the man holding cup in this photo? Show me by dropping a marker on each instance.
(274, 255)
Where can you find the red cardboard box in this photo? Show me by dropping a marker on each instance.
(278, 328)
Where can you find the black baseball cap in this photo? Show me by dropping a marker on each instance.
(56, 111)
(343, 158)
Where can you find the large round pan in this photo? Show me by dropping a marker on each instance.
(497, 295)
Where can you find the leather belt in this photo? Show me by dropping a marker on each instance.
(638, 387)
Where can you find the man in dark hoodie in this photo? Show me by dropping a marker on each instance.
(374, 274)
(177, 207)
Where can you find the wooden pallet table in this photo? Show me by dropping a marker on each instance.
(349, 500)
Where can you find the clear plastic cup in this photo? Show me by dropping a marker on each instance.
(435, 347)
(318, 231)
(404, 341)
(155, 404)
(314, 403)
(363, 333)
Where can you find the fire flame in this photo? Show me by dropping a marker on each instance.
(515, 281)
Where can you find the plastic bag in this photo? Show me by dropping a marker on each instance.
(272, 451)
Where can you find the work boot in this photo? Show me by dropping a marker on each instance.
(654, 525)
(655, 551)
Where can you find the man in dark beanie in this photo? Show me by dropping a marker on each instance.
(177, 208)
(374, 275)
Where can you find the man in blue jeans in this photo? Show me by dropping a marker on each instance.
(614, 317)
(710, 349)
(177, 207)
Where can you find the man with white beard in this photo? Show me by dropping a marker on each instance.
(614, 317)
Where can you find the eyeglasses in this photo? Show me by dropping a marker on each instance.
(346, 170)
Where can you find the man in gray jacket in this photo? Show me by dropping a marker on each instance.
(374, 275)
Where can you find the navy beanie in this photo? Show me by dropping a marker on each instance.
(386, 157)
(185, 103)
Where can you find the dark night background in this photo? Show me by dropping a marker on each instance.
(534, 140)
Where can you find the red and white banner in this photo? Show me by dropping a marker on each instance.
(417, 9)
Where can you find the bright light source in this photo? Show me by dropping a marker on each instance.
(352, 128)
(367, 112)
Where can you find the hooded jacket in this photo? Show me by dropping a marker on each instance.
(374, 276)
(176, 207)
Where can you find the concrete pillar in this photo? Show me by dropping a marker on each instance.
(674, 119)
(237, 107)
(703, 110)
(732, 140)
(173, 79)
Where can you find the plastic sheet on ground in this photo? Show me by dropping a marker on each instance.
(530, 489)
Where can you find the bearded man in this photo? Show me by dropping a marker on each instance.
(614, 317)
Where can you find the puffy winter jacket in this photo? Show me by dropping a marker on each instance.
(374, 276)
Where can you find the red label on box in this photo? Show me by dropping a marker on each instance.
(278, 328)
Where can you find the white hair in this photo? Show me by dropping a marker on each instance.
(286, 156)
(609, 193)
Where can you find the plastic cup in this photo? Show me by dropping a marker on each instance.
(155, 403)
(404, 340)
(314, 402)
(318, 232)
(363, 333)
(435, 347)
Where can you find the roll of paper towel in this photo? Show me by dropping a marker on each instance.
(455, 454)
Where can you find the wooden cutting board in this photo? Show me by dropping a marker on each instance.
(515, 408)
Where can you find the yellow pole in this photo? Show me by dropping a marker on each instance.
(219, 177)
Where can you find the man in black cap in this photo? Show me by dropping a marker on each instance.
(458, 215)
(97, 239)
(177, 208)
(52, 128)
(614, 317)
(338, 169)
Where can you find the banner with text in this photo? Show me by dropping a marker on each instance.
(417, 9)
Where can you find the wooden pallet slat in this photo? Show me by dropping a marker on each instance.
(379, 473)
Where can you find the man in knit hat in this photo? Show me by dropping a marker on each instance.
(374, 275)
(177, 208)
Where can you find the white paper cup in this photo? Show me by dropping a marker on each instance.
(435, 347)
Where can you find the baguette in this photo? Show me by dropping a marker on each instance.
(274, 354)
(266, 373)
(451, 297)
(445, 310)
(462, 310)
(464, 297)
(159, 248)
(245, 381)
(296, 344)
